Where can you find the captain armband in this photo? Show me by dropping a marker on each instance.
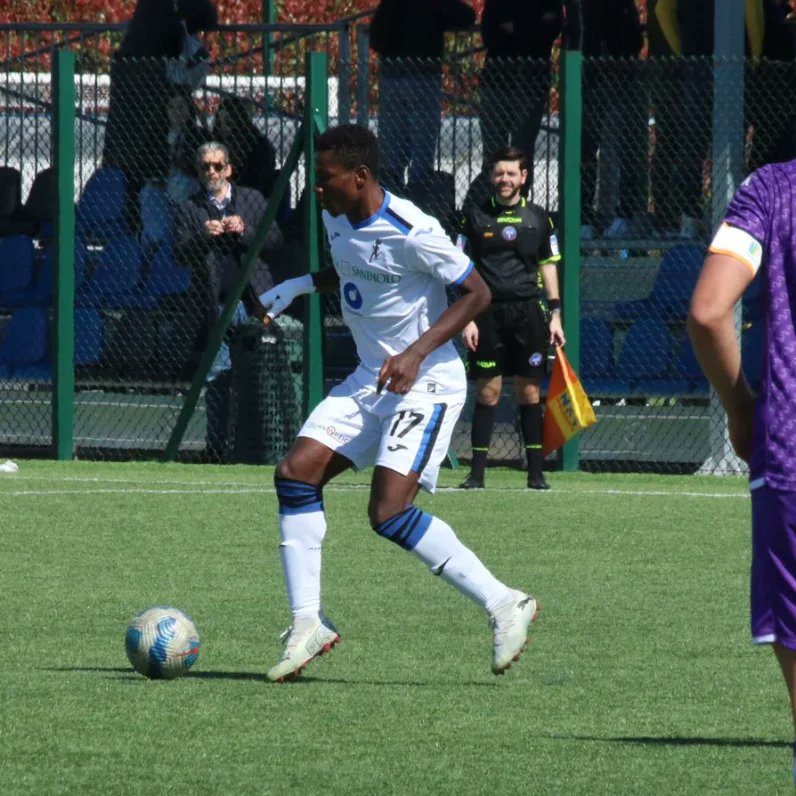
(737, 243)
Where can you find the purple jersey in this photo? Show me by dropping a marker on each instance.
(764, 207)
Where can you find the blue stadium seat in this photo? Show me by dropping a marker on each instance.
(687, 371)
(597, 365)
(157, 216)
(41, 292)
(38, 212)
(88, 336)
(116, 281)
(671, 292)
(645, 354)
(101, 209)
(596, 348)
(752, 348)
(25, 347)
(165, 277)
(17, 269)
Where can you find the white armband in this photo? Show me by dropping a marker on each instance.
(737, 243)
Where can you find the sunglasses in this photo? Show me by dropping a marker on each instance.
(207, 165)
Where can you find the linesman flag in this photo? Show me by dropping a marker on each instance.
(567, 409)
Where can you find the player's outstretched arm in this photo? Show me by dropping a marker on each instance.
(399, 372)
(281, 296)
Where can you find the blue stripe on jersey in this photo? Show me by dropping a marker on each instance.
(296, 497)
(406, 529)
(465, 274)
(429, 438)
(401, 224)
(379, 212)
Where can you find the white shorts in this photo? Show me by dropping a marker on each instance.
(406, 433)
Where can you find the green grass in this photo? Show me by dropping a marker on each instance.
(641, 677)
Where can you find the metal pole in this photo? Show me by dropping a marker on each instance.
(728, 146)
(269, 18)
(569, 200)
(63, 147)
(316, 119)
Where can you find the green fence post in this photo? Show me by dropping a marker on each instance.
(63, 148)
(316, 118)
(569, 192)
(236, 291)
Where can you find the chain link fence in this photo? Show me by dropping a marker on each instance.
(146, 290)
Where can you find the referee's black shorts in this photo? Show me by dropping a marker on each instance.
(513, 338)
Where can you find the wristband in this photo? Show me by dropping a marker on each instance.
(554, 305)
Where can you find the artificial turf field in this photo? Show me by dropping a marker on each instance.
(640, 679)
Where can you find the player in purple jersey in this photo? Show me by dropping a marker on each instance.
(396, 412)
(759, 234)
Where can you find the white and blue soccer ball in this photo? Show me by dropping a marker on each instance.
(162, 642)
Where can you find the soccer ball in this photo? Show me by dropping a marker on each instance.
(162, 642)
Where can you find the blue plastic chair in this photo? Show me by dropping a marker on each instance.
(165, 277)
(596, 349)
(671, 292)
(116, 281)
(157, 216)
(646, 352)
(88, 336)
(100, 213)
(17, 269)
(25, 347)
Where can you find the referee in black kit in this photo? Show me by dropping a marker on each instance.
(514, 248)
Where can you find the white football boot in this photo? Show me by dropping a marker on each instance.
(510, 626)
(309, 639)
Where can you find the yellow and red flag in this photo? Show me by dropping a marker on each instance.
(567, 409)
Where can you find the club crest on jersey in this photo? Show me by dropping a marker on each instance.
(536, 360)
(376, 249)
(509, 233)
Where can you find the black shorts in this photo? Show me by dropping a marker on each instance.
(513, 338)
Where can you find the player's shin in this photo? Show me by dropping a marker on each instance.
(302, 526)
(433, 541)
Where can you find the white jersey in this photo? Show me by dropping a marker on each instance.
(394, 268)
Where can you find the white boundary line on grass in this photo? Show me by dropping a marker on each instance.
(236, 488)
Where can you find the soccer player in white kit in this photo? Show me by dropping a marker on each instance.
(396, 411)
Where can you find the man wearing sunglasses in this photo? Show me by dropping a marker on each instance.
(214, 231)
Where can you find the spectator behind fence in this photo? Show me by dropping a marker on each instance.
(408, 35)
(140, 89)
(186, 134)
(253, 156)
(614, 140)
(512, 243)
(215, 228)
(515, 81)
(688, 28)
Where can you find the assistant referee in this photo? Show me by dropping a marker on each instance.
(514, 248)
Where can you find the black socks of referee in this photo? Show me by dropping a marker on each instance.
(480, 437)
(531, 427)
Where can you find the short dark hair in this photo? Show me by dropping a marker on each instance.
(510, 153)
(352, 145)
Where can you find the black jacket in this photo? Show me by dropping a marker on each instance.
(416, 28)
(218, 260)
(512, 29)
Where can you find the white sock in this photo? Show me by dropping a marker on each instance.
(300, 552)
(440, 549)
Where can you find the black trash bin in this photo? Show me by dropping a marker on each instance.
(265, 406)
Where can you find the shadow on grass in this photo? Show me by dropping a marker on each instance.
(187, 676)
(676, 740)
(295, 681)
